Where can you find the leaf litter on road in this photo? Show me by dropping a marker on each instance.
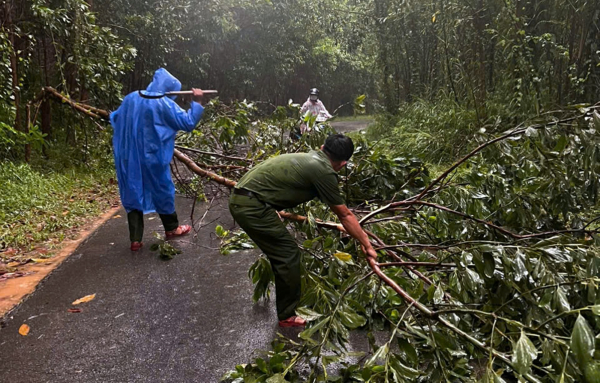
(24, 329)
(85, 299)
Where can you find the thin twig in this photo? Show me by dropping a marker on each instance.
(233, 158)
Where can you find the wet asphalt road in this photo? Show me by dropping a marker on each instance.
(350, 126)
(186, 320)
(190, 319)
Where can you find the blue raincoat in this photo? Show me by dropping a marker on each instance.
(143, 142)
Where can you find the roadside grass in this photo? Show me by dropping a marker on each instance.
(362, 117)
(41, 207)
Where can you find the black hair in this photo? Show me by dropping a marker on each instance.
(338, 147)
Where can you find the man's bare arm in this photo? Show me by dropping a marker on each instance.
(353, 228)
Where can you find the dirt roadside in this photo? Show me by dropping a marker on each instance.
(13, 290)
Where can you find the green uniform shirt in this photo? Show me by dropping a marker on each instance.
(288, 180)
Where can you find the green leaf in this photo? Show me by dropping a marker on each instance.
(524, 354)
(582, 342)
(308, 243)
(591, 295)
(472, 280)
(352, 320)
(561, 144)
(548, 351)
(409, 350)
(558, 255)
(520, 269)
(308, 314)
(366, 374)
(262, 365)
(592, 372)
(328, 359)
(597, 120)
(276, 362)
(561, 302)
(359, 107)
(380, 354)
(546, 299)
(377, 369)
(344, 257)
(403, 370)
(446, 342)
(596, 309)
(309, 332)
(438, 296)
(548, 241)
(531, 132)
(262, 275)
(489, 264)
(230, 375)
(221, 233)
(493, 377)
(277, 378)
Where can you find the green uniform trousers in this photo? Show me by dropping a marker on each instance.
(263, 225)
(135, 218)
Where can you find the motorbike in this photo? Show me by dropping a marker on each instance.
(309, 124)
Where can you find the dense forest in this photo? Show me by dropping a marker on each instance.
(478, 180)
(492, 59)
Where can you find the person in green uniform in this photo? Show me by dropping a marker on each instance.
(284, 182)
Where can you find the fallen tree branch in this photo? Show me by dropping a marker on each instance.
(212, 154)
(224, 167)
(204, 173)
(445, 174)
(373, 264)
(481, 221)
(289, 216)
(83, 108)
(516, 132)
(433, 265)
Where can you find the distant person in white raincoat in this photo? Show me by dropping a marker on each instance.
(315, 107)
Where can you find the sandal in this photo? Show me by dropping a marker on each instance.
(135, 246)
(293, 321)
(181, 230)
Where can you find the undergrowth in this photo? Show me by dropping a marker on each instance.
(39, 206)
(364, 117)
(439, 132)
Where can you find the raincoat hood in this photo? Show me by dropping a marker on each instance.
(164, 82)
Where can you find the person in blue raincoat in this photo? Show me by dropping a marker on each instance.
(143, 142)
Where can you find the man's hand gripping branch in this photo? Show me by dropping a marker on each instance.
(352, 227)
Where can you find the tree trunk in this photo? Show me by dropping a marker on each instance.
(46, 116)
(46, 111)
(479, 21)
(381, 8)
(15, 72)
(571, 53)
(447, 54)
